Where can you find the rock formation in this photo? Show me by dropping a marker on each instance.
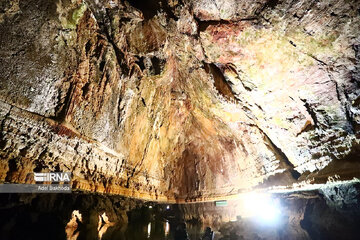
(180, 100)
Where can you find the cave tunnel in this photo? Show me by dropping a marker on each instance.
(179, 119)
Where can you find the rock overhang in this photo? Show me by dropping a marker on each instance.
(192, 100)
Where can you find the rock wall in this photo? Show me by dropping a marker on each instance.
(179, 100)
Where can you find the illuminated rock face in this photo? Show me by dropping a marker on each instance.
(183, 100)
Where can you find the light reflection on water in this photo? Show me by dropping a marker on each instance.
(149, 230)
(167, 228)
(154, 230)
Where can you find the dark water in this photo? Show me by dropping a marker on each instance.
(154, 230)
(35, 217)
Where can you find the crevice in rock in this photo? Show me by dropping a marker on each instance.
(349, 114)
(88, 47)
(292, 43)
(153, 65)
(150, 8)
(221, 85)
(311, 112)
(342, 98)
(13, 166)
(102, 66)
(352, 123)
(85, 89)
(119, 54)
(269, 4)
(127, 185)
(232, 67)
(157, 65)
(61, 112)
(140, 63)
(278, 152)
(143, 101)
(203, 25)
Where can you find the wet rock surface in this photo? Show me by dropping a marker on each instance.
(179, 100)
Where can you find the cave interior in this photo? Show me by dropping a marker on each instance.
(180, 119)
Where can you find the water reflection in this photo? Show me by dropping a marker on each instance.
(154, 230)
(72, 225)
(167, 228)
(195, 230)
(142, 224)
(149, 230)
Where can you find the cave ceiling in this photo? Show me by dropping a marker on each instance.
(180, 100)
